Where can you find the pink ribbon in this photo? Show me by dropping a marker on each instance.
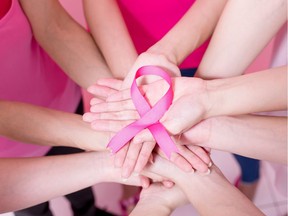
(150, 116)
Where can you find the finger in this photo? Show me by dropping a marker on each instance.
(145, 182)
(101, 91)
(113, 106)
(122, 115)
(120, 156)
(193, 159)
(153, 176)
(168, 183)
(109, 125)
(119, 96)
(144, 156)
(88, 117)
(201, 153)
(95, 100)
(181, 162)
(131, 159)
(143, 136)
(111, 83)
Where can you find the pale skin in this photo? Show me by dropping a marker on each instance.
(159, 200)
(68, 43)
(51, 127)
(124, 61)
(21, 175)
(244, 29)
(220, 97)
(210, 195)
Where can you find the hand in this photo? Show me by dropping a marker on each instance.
(150, 58)
(160, 200)
(107, 116)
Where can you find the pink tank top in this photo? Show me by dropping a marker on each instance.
(149, 20)
(27, 74)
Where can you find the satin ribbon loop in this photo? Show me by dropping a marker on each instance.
(150, 116)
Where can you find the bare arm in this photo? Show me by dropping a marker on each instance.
(39, 125)
(260, 137)
(69, 44)
(257, 92)
(29, 181)
(109, 31)
(195, 27)
(159, 200)
(210, 194)
(241, 33)
(188, 34)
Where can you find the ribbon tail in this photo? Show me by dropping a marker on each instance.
(124, 136)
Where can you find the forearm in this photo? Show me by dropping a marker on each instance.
(210, 194)
(257, 92)
(243, 31)
(69, 44)
(109, 31)
(261, 137)
(38, 125)
(204, 194)
(29, 181)
(195, 27)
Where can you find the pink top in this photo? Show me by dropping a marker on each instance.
(28, 75)
(149, 20)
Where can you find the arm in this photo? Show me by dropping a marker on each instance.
(257, 92)
(199, 99)
(250, 135)
(189, 33)
(53, 176)
(242, 32)
(111, 35)
(69, 44)
(210, 194)
(39, 125)
(194, 28)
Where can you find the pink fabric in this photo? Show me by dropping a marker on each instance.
(27, 74)
(149, 20)
(150, 116)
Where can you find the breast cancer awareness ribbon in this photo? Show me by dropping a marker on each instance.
(150, 116)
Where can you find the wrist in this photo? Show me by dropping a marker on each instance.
(167, 52)
(103, 166)
(147, 206)
(215, 97)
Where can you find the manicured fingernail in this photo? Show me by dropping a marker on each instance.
(210, 164)
(207, 172)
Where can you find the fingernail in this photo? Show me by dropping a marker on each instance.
(90, 89)
(151, 160)
(86, 117)
(210, 164)
(207, 172)
(124, 179)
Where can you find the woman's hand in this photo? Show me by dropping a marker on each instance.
(118, 111)
(159, 199)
